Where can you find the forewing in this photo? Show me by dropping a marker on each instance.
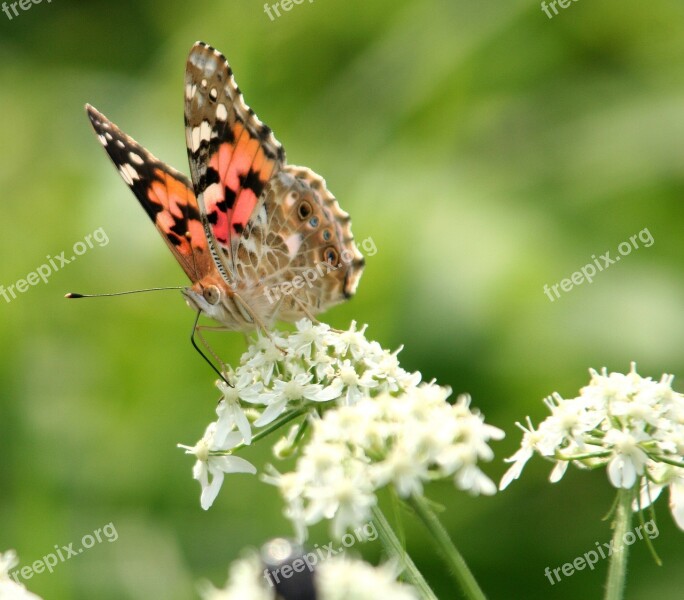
(232, 153)
(164, 193)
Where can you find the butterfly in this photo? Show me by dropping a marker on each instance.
(260, 240)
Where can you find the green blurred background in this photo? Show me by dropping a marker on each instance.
(487, 150)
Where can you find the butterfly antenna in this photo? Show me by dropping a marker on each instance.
(157, 289)
(202, 354)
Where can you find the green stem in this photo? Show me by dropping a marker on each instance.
(395, 550)
(458, 567)
(617, 570)
(284, 420)
(670, 461)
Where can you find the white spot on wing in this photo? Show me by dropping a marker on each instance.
(249, 244)
(135, 158)
(221, 112)
(128, 173)
(214, 193)
(205, 130)
(261, 215)
(290, 199)
(293, 243)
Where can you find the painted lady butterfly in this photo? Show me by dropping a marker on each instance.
(248, 223)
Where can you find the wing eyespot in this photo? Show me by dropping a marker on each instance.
(331, 256)
(304, 210)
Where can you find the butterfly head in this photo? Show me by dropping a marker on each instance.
(218, 303)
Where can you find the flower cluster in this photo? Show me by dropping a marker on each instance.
(338, 578)
(312, 368)
(403, 441)
(632, 425)
(9, 589)
(312, 365)
(372, 423)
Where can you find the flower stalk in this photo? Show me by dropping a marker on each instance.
(396, 551)
(622, 523)
(453, 558)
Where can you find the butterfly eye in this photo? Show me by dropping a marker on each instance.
(327, 235)
(304, 210)
(313, 221)
(330, 256)
(211, 294)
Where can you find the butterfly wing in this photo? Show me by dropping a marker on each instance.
(164, 193)
(232, 154)
(298, 239)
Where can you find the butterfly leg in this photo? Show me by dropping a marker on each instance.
(204, 356)
(260, 325)
(309, 316)
(209, 348)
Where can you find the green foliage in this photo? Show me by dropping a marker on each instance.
(486, 149)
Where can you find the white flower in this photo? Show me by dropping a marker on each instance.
(531, 439)
(356, 386)
(299, 387)
(8, 560)
(352, 401)
(352, 342)
(338, 578)
(344, 496)
(628, 460)
(341, 578)
(9, 588)
(261, 360)
(309, 338)
(404, 469)
(213, 460)
(403, 441)
(230, 412)
(662, 476)
(245, 582)
(632, 425)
